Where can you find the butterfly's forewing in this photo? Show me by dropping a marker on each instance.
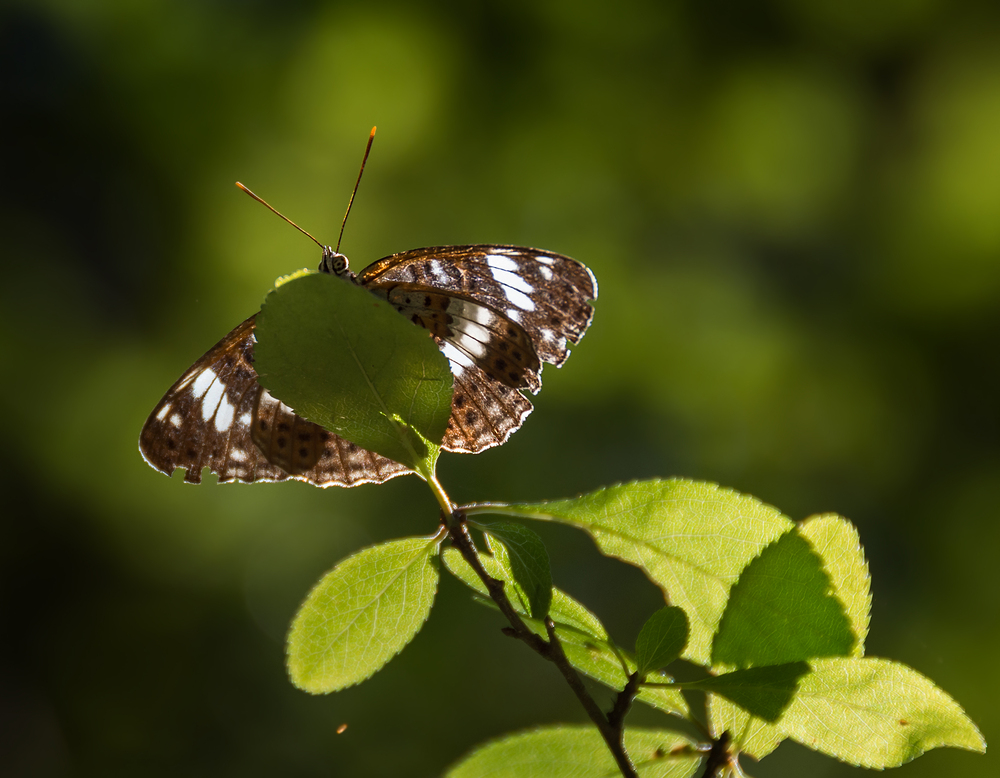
(218, 416)
(497, 312)
(547, 294)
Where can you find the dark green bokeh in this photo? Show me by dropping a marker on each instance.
(793, 211)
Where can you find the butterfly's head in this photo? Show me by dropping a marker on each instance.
(334, 263)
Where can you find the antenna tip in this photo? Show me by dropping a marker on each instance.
(372, 134)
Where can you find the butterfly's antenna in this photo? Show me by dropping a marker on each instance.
(274, 210)
(343, 224)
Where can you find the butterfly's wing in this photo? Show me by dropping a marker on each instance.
(497, 312)
(218, 416)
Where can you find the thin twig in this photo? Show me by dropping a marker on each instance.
(552, 650)
(623, 702)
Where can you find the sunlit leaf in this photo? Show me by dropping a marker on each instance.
(865, 711)
(346, 360)
(362, 613)
(835, 540)
(578, 752)
(875, 713)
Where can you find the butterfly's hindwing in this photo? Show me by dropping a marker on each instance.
(218, 416)
(497, 312)
(484, 413)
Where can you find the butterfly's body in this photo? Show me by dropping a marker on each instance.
(497, 312)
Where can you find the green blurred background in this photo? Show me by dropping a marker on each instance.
(793, 211)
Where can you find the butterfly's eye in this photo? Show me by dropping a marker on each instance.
(333, 262)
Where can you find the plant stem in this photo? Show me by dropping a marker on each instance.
(447, 509)
(612, 732)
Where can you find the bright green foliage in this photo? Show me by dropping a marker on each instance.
(578, 752)
(875, 713)
(661, 639)
(836, 541)
(584, 639)
(865, 711)
(692, 539)
(346, 360)
(522, 555)
(782, 610)
(362, 613)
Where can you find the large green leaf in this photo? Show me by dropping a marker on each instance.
(836, 542)
(578, 752)
(875, 713)
(346, 360)
(865, 711)
(362, 613)
(584, 640)
(692, 539)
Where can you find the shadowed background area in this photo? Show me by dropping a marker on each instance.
(793, 211)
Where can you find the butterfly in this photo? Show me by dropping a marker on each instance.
(496, 312)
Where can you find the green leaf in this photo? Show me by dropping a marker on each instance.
(661, 639)
(782, 610)
(875, 713)
(692, 539)
(362, 613)
(836, 540)
(578, 752)
(521, 553)
(584, 640)
(868, 712)
(346, 360)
